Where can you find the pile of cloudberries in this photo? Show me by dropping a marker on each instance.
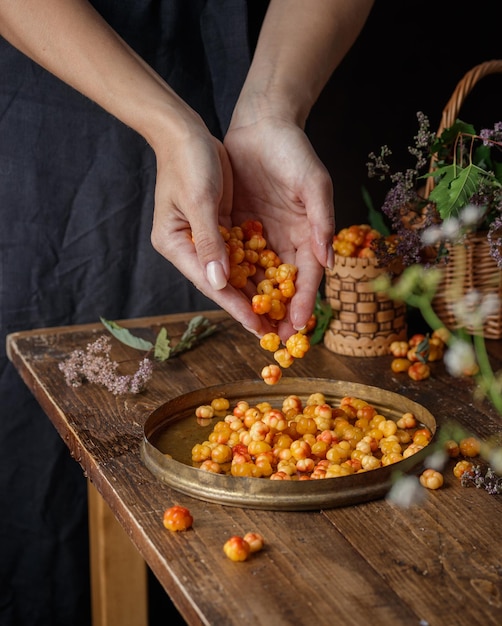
(248, 252)
(304, 440)
(468, 447)
(413, 356)
(178, 518)
(239, 548)
(357, 241)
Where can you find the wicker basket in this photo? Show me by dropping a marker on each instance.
(364, 322)
(469, 266)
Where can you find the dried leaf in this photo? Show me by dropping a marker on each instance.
(162, 346)
(125, 336)
(199, 328)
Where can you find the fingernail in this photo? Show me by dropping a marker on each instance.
(252, 331)
(216, 275)
(331, 258)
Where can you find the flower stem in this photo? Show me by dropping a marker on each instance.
(486, 374)
(423, 303)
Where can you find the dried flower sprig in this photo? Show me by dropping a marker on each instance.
(483, 478)
(467, 170)
(95, 365)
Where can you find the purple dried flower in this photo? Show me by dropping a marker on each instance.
(487, 480)
(95, 366)
(494, 240)
(490, 136)
(410, 213)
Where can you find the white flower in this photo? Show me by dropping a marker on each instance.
(471, 214)
(466, 309)
(495, 460)
(432, 235)
(474, 308)
(437, 460)
(451, 229)
(460, 358)
(490, 305)
(406, 491)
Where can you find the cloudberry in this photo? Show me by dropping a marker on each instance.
(177, 518)
(237, 548)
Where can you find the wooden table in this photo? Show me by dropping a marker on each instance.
(439, 563)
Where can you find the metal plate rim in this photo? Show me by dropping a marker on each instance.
(260, 493)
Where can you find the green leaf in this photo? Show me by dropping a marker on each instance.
(162, 346)
(482, 157)
(375, 218)
(423, 349)
(443, 144)
(455, 188)
(125, 336)
(323, 313)
(198, 328)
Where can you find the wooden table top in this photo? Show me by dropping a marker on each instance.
(437, 563)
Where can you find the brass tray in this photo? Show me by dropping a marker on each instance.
(173, 429)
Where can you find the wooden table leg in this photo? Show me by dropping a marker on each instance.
(118, 572)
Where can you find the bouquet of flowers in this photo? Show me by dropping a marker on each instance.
(455, 188)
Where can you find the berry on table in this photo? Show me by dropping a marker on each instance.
(236, 548)
(462, 467)
(419, 371)
(177, 518)
(469, 446)
(399, 349)
(255, 541)
(431, 479)
(400, 364)
(451, 448)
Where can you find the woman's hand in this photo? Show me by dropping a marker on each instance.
(194, 183)
(279, 180)
(277, 176)
(193, 197)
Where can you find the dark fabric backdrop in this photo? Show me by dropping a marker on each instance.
(76, 202)
(76, 194)
(408, 58)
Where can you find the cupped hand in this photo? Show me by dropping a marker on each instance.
(280, 180)
(193, 196)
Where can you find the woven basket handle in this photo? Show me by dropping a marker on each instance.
(452, 108)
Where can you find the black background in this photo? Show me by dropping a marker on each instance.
(408, 58)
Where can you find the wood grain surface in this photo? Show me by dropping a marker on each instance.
(437, 563)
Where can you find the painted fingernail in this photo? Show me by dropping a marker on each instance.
(331, 258)
(216, 275)
(252, 331)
